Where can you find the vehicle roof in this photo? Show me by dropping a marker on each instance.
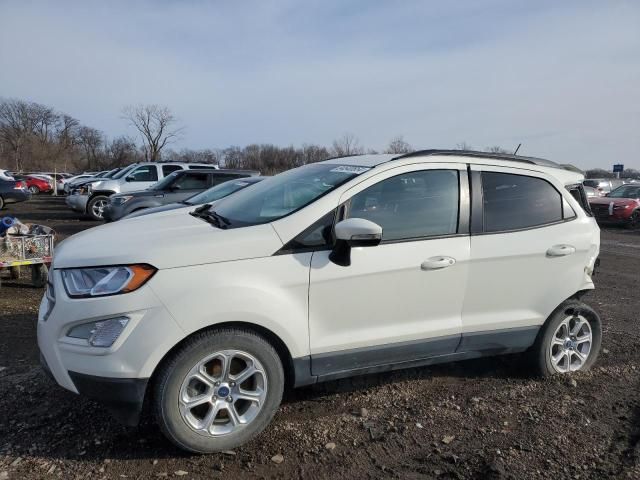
(218, 171)
(468, 156)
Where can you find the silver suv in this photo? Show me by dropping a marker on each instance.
(93, 197)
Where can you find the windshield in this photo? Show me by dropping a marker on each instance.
(124, 171)
(626, 191)
(110, 173)
(218, 192)
(285, 193)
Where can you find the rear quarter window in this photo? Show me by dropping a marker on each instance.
(516, 202)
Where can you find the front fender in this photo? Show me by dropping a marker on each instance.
(270, 292)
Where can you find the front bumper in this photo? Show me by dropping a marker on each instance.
(112, 212)
(116, 376)
(77, 203)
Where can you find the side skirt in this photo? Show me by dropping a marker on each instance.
(386, 358)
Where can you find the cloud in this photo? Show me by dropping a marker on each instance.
(560, 77)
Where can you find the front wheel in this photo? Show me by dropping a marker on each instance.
(34, 190)
(219, 390)
(634, 220)
(569, 341)
(96, 206)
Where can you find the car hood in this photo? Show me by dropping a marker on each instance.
(141, 193)
(168, 209)
(166, 240)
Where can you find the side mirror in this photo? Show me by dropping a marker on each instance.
(130, 178)
(353, 232)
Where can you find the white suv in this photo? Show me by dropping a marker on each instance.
(339, 268)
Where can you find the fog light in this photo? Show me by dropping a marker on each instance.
(102, 333)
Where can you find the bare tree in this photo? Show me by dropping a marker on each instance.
(91, 140)
(346, 145)
(157, 126)
(464, 146)
(398, 145)
(16, 126)
(497, 149)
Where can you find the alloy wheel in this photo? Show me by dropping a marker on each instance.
(571, 344)
(98, 208)
(222, 393)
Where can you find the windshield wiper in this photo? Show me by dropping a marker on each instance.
(210, 216)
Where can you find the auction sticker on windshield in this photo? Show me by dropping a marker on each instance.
(350, 169)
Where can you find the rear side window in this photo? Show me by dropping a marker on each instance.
(514, 202)
(145, 173)
(412, 205)
(168, 169)
(192, 181)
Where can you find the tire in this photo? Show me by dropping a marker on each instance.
(14, 273)
(34, 190)
(1, 203)
(39, 275)
(96, 206)
(175, 383)
(558, 339)
(634, 220)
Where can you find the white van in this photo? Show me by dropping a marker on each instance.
(339, 268)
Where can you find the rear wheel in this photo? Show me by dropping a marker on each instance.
(96, 206)
(34, 190)
(569, 341)
(219, 390)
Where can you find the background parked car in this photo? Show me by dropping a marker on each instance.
(135, 177)
(591, 192)
(603, 185)
(12, 191)
(35, 184)
(176, 187)
(73, 182)
(621, 206)
(5, 175)
(208, 196)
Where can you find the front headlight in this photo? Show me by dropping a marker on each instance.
(100, 281)
(121, 200)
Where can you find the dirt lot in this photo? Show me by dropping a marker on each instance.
(475, 419)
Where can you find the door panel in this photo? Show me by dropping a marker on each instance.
(385, 297)
(515, 278)
(397, 301)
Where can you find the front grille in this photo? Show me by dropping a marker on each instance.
(600, 210)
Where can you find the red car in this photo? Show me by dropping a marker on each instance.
(36, 185)
(620, 206)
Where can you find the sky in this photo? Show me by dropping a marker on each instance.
(562, 78)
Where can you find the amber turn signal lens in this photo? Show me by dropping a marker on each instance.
(141, 274)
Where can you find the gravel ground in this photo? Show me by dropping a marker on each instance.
(475, 419)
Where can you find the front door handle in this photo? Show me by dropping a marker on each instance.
(437, 263)
(561, 250)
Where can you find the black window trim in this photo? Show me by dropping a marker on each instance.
(341, 212)
(477, 205)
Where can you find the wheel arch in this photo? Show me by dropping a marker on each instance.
(280, 346)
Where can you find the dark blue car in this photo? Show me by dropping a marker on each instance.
(13, 191)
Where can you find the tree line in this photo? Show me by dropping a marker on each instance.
(36, 137)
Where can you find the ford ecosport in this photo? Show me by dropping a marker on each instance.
(339, 268)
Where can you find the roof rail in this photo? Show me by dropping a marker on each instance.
(472, 153)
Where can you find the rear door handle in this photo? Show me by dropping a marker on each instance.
(437, 263)
(561, 250)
